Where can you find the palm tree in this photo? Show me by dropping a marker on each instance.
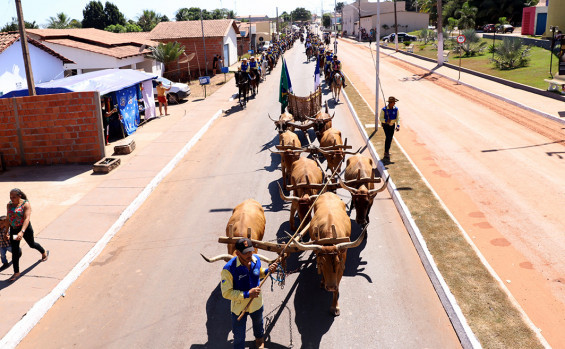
(183, 14)
(148, 20)
(166, 53)
(60, 21)
(466, 16)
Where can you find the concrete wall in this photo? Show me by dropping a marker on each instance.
(45, 67)
(51, 129)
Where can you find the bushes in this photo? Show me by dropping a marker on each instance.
(511, 54)
(473, 44)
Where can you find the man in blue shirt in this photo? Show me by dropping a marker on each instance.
(240, 283)
(390, 120)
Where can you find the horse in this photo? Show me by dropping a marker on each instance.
(242, 82)
(308, 53)
(327, 73)
(264, 66)
(337, 83)
(254, 82)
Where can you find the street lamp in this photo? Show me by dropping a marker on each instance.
(553, 29)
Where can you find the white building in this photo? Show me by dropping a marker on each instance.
(407, 20)
(93, 49)
(46, 64)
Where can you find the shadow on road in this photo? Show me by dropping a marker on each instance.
(277, 204)
(218, 321)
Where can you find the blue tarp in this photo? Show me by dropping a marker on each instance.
(126, 100)
(103, 81)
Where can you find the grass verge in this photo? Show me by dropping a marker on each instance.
(488, 310)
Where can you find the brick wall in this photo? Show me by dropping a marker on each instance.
(51, 129)
(179, 72)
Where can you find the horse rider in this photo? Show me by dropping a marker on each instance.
(321, 55)
(246, 68)
(255, 67)
(336, 65)
(328, 60)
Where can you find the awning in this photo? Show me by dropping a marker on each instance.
(103, 81)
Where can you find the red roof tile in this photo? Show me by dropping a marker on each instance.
(192, 29)
(7, 39)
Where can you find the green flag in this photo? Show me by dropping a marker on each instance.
(285, 86)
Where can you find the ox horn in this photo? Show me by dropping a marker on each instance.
(221, 257)
(271, 118)
(375, 191)
(265, 259)
(334, 232)
(249, 232)
(286, 198)
(276, 151)
(346, 245)
(307, 247)
(353, 153)
(327, 110)
(330, 118)
(346, 187)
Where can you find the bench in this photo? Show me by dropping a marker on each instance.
(557, 84)
(446, 56)
(410, 48)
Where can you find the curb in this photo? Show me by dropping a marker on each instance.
(40, 308)
(449, 302)
(462, 329)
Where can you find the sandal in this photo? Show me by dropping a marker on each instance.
(44, 259)
(14, 277)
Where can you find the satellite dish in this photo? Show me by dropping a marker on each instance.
(188, 58)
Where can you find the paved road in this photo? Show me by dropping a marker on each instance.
(498, 168)
(150, 288)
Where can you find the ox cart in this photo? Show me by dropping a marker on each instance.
(303, 107)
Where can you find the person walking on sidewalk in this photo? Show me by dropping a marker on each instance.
(390, 120)
(19, 214)
(240, 283)
(4, 242)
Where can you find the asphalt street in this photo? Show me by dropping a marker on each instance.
(151, 289)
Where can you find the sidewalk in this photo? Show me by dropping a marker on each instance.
(76, 213)
(545, 106)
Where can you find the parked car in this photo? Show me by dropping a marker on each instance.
(263, 46)
(489, 28)
(505, 28)
(401, 37)
(177, 92)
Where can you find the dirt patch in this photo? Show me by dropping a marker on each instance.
(216, 82)
(488, 310)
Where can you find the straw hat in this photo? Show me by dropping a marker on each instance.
(391, 99)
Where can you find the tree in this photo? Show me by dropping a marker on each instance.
(60, 21)
(326, 20)
(217, 14)
(511, 54)
(13, 26)
(94, 16)
(75, 24)
(115, 28)
(285, 17)
(166, 53)
(148, 20)
(301, 14)
(164, 18)
(339, 7)
(113, 15)
(466, 16)
(132, 27)
(182, 14)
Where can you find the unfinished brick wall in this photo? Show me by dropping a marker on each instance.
(51, 129)
(214, 45)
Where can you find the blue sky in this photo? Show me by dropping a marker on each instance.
(40, 10)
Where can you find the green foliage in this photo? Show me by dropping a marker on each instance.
(502, 20)
(467, 15)
(94, 16)
(118, 28)
(301, 14)
(473, 44)
(511, 54)
(113, 15)
(132, 27)
(451, 24)
(60, 21)
(167, 53)
(427, 35)
(75, 24)
(326, 20)
(407, 43)
(148, 20)
(13, 26)
(339, 7)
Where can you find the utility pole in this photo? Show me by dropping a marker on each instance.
(277, 26)
(378, 43)
(396, 28)
(204, 41)
(439, 34)
(359, 23)
(25, 49)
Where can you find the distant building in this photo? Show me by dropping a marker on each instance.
(407, 20)
(46, 64)
(220, 37)
(253, 18)
(247, 38)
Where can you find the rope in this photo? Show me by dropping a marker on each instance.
(375, 66)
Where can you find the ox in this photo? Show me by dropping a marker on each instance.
(247, 220)
(321, 122)
(284, 122)
(330, 221)
(359, 181)
(289, 150)
(306, 180)
(333, 149)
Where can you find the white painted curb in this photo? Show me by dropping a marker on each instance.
(417, 238)
(39, 309)
(462, 329)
